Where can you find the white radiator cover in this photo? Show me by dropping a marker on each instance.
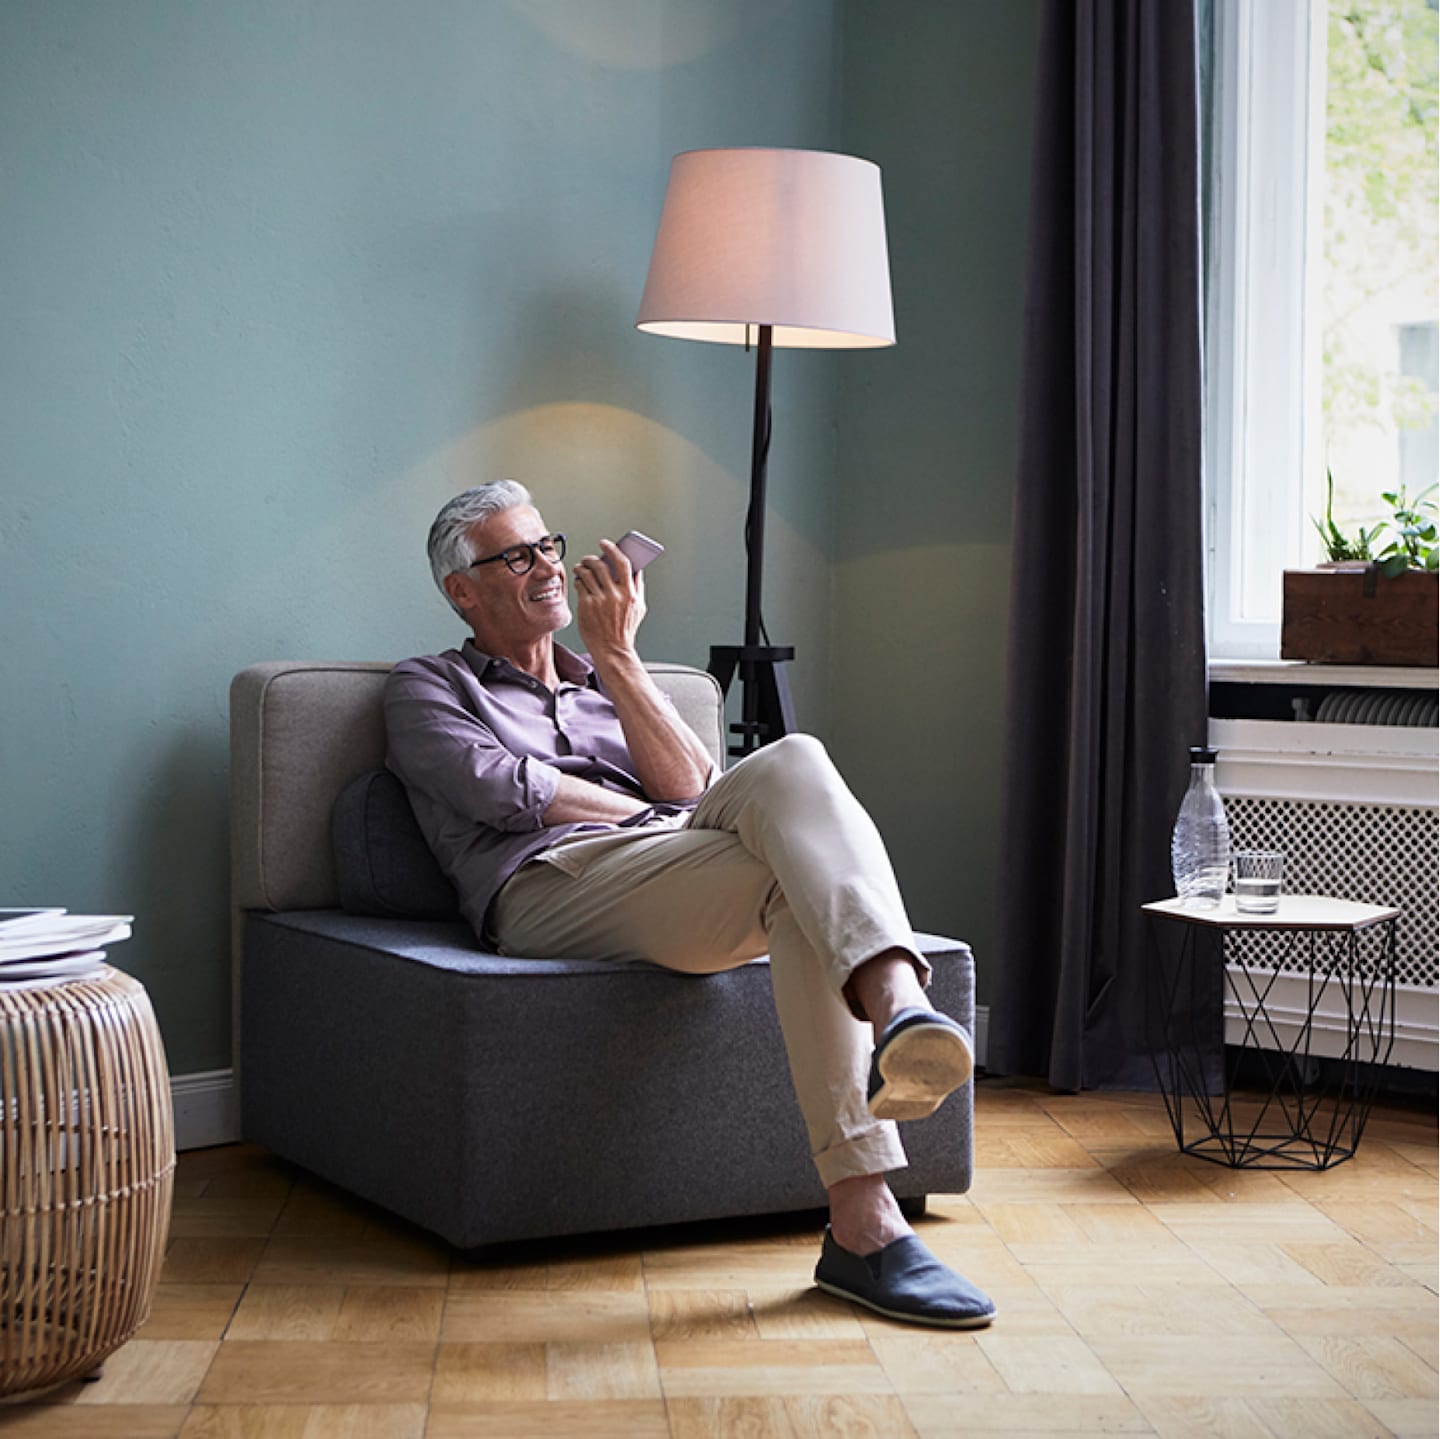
(1354, 809)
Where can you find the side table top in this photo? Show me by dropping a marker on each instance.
(1297, 911)
(19, 997)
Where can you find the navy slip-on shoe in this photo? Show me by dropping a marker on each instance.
(903, 1281)
(922, 1057)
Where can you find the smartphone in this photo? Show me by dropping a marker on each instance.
(638, 549)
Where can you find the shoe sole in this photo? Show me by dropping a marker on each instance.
(976, 1321)
(919, 1070)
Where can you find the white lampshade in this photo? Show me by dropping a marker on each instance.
(794, 239)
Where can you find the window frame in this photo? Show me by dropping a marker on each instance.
(1264, 203)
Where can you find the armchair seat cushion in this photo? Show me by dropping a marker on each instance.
(385, 1054)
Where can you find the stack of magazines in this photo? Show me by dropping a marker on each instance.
(55, 944)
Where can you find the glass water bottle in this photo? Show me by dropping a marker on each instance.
(1200, 846)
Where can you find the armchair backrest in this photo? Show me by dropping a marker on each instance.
(301, 731)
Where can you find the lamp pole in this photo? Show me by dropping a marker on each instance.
(766, 709)
(759, 458)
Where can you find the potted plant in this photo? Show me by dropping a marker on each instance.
(1377, 599)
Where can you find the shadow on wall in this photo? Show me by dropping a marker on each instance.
(171, 861)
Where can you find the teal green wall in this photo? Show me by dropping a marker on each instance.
(277, 279)
(928, 435)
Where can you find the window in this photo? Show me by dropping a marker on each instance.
(1321, 296)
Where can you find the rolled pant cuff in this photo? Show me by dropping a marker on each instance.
(875, 1151)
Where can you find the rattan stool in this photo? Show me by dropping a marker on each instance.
(87, 1168)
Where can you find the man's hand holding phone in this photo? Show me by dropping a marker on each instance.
(610, 603)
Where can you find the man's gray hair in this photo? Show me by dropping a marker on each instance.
(449, 543)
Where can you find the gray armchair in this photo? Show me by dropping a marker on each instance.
(485, 1098)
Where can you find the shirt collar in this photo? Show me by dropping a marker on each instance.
(572, 668)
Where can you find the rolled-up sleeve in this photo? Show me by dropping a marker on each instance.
(439, 749)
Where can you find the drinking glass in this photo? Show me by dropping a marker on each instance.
(1258, 873)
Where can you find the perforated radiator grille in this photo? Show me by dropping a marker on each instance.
(1372, 853)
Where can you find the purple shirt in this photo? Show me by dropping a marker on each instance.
(480, 747)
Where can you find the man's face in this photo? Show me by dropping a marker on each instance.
(511, 612)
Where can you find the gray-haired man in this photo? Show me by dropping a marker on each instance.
(578, 815)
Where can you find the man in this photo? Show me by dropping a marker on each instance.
(578, 815)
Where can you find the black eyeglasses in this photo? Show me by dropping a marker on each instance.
(520, 559)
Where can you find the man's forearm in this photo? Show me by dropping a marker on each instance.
(577, 801)
(669, 759)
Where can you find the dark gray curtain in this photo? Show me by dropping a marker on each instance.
(1107, 663)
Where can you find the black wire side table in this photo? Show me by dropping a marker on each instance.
(1304, 1114)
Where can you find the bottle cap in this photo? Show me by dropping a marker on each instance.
(1202, 754)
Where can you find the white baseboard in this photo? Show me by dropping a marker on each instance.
(207, 1111)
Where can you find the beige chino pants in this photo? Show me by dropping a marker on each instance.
(778, 857)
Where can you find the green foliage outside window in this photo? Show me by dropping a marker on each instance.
(1382, 190)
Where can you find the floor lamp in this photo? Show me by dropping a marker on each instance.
(779, 249)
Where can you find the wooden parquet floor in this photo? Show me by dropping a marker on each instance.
(1140, 1292)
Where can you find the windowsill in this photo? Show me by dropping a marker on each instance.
(1300, 672)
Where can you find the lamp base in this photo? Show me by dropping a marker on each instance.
(769, 712)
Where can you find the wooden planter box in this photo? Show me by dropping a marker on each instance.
(1358, 617)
